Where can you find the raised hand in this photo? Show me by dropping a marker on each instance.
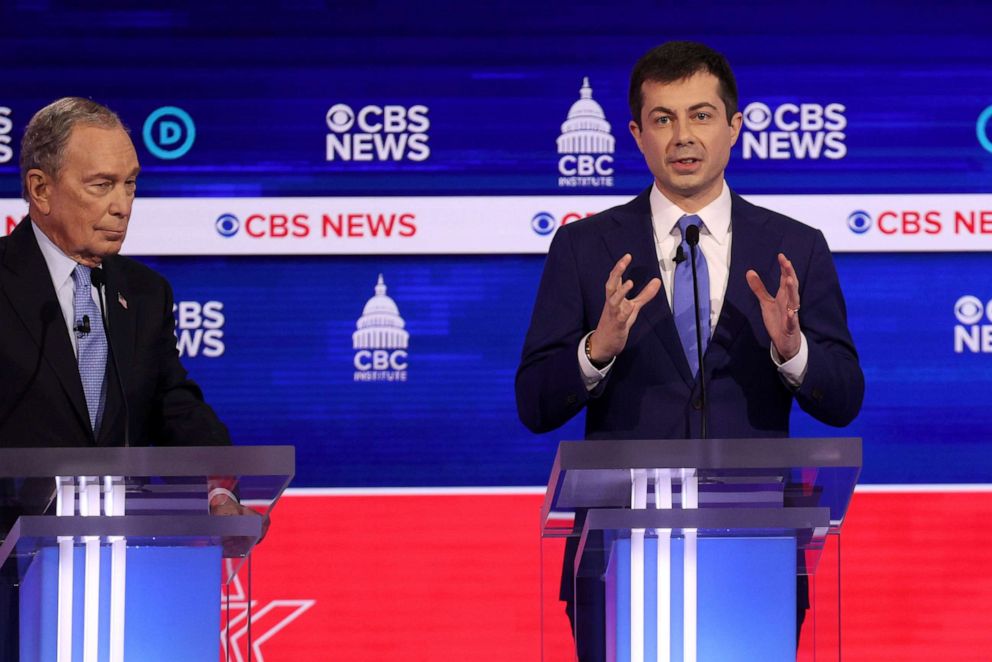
(619, 313)
(780, 313)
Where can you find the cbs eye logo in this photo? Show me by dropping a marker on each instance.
(859, 221)
(970, 310)
(757, 116)
(227, 225)
(340, 118)
(543, 223)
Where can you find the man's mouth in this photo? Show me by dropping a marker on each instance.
(686, 165)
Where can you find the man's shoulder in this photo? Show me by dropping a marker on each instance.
(771, 221)
(135, 275)
(608, 219)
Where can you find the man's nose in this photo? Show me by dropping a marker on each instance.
(684, 135)
(120, 204)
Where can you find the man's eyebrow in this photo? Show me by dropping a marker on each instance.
(697, 106)
(111, 175)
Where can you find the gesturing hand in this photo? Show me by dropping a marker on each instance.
(619, 313)
(781, 312)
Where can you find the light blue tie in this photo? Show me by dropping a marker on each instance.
(92, 346)
(682, 298)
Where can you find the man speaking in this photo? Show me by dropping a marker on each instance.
(614, 324)
(72, 311)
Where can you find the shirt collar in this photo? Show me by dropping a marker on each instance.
(60, 266)
(665, 214)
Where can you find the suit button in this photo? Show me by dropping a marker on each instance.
(571, 399)
(697, 404)
(817, 395)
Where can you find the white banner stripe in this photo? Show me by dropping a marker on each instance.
(539, 490)
(479, 225)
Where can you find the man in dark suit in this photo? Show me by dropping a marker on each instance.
(601, 337)
(59, 388)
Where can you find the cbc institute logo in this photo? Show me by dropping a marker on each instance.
(380, 340)
(586, 144)
(970, 334)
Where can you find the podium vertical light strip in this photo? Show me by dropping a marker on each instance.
(89, 506)
(65, 506)
(663, 591)
(690, 499)
(638, 500)
(113, 495)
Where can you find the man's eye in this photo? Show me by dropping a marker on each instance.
(664, 119)
(702, 116)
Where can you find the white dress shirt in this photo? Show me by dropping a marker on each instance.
(61, 266)
(715, 237)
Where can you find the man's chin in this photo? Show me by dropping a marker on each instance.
(108, 247)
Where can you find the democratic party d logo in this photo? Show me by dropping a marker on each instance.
(169, 132)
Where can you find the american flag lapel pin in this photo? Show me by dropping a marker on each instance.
(121, 300)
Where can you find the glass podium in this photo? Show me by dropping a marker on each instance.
(113, 553)
(693, 549)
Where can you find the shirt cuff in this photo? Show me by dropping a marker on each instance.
(591, 375)
(793, 371)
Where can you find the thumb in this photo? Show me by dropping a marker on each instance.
(758, 287)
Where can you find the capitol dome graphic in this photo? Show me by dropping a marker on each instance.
(586, 130)
(380, 326)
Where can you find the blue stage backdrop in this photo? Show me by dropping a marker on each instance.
(872, 123)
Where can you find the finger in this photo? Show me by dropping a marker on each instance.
(649, 292)
(615, 278)
(789, 271)
(621, 293)
(758, 287)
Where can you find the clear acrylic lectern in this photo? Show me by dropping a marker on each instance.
(113, 551)
(695, 549)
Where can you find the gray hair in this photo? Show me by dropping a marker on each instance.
(47, 134)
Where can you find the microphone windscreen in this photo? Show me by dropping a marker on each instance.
(692, 235)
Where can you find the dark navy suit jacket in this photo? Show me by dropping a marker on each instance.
(41, 395)
(649, 392)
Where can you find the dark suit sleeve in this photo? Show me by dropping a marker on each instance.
(549, 385)
(834, 386)
(180, 417)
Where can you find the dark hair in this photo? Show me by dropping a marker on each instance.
(678, 60)
(47, 134)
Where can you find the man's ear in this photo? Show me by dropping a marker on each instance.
(735, 127)
(38, 186)
(635, 130)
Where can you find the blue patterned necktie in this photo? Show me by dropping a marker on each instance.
(92, 346)
(682, 297)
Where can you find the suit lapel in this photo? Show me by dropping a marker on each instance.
(750, 248)
(120, 321)
(28, 287)
(634, 234)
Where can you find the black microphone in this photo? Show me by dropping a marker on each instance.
(692, 238)
(98, 280)
(679, 255)
(82, 328)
